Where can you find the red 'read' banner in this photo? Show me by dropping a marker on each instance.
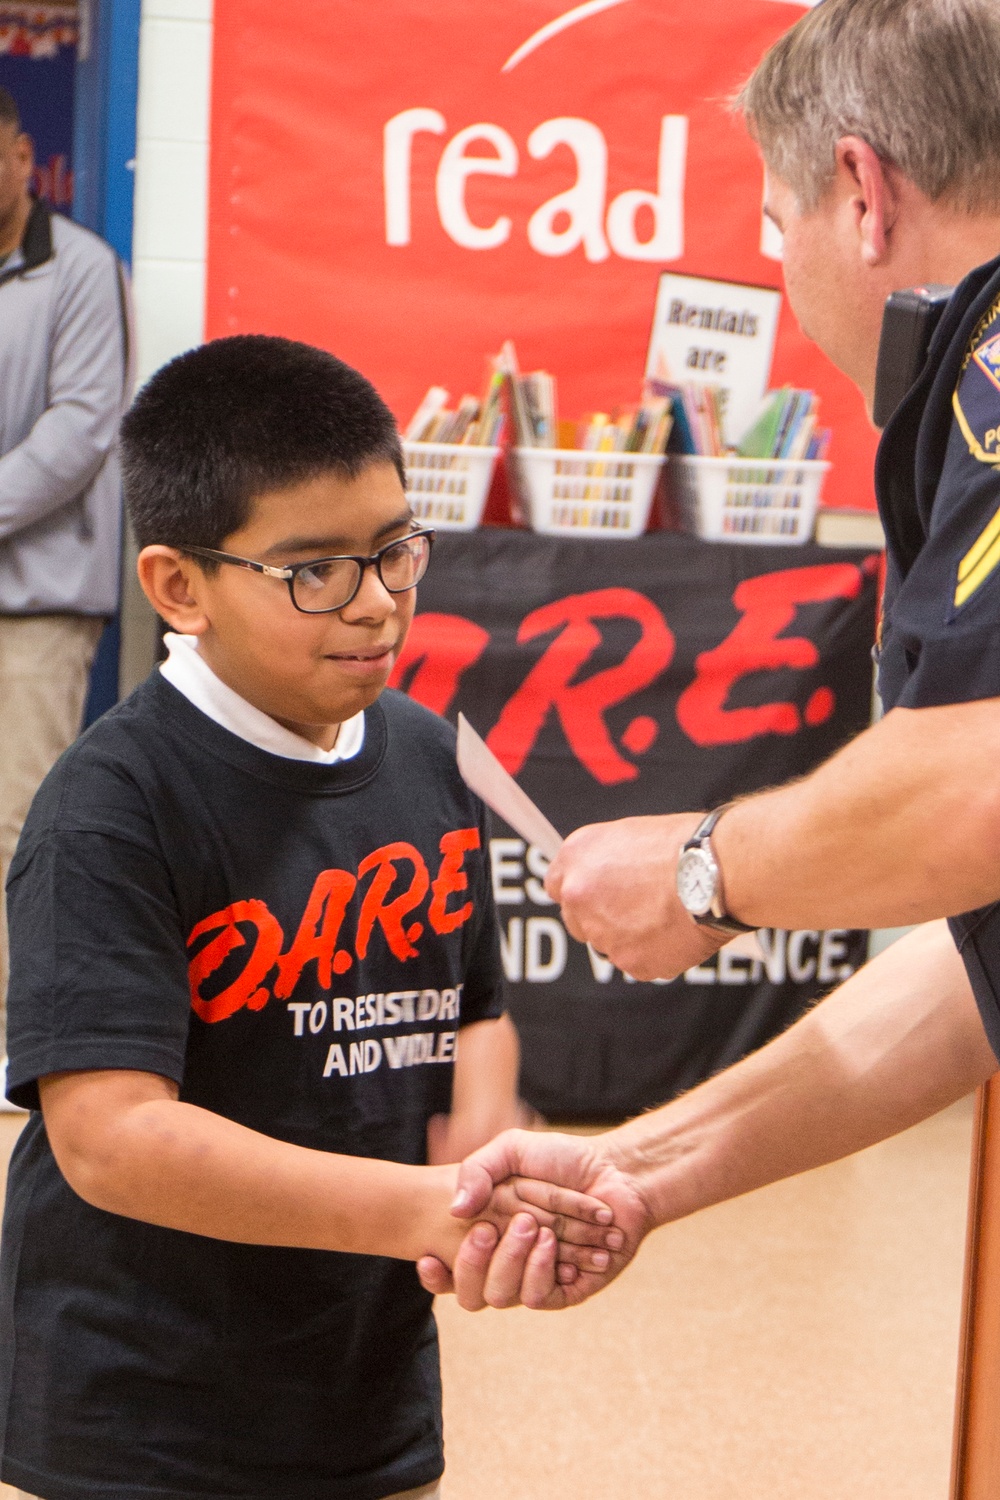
(407, 184)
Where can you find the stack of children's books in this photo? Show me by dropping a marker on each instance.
(531, 398)
(697, 417)
(474, 422)
(785, 427)
(640, 429)
(848, 526)
(532, 401)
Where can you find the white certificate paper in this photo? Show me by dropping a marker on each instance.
(487, 778)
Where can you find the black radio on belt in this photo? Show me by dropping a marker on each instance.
(908, 325)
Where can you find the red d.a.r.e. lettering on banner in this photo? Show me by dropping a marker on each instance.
(768, 605)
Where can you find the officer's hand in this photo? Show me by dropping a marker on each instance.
(616, 884)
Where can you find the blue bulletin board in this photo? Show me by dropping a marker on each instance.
(38, 66)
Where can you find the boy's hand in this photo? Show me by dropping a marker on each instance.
(555, 1224)
(525, 1265)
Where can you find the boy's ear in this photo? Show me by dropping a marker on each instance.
(171, 583)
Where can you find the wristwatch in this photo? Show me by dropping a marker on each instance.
(699, 880)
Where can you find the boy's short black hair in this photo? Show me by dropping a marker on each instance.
(9, 112)
(238, 417)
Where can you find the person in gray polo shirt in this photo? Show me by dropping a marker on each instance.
(64, 383)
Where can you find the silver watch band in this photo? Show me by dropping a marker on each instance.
(718, 918)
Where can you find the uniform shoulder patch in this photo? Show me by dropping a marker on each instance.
(987, 357)
(976, 401)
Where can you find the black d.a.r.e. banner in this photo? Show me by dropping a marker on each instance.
(653, 675)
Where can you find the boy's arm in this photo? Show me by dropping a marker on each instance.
(484, 1097)
(125, 1143)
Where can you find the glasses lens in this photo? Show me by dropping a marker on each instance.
(325, 585)
(404, 564)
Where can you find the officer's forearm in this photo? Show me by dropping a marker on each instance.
(898, 1042)
(901, 826)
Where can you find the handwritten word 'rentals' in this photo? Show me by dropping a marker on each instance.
(718, 319)
(399, 884)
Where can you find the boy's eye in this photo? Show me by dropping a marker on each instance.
(320, 575)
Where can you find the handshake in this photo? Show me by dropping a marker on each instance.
(558, 1217)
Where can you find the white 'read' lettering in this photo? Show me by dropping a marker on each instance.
(538, 864)
(512, 949)
(343, 1014)
(428, 1005)
(546, 949)
(571, 220)
(419, 1048)
(582, 205)
(666, 204)
(507, 869)
(454, 171)
(397, 152)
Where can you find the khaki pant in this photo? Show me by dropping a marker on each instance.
(44, 666)
(426, 1492)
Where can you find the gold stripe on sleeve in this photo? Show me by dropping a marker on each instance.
(980, 568)
(983, 544)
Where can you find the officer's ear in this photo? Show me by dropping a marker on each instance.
(869, 185)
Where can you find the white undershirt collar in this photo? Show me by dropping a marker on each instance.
(188, 671)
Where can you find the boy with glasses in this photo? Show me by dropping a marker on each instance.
(255, 987)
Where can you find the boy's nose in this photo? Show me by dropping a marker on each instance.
(372, 601)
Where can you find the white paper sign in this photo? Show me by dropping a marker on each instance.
(717, 333)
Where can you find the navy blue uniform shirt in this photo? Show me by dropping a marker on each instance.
(937, 477)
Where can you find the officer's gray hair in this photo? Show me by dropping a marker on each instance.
(919, 80)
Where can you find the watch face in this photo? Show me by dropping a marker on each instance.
(697, 879)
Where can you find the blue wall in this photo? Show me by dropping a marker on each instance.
(107, 84)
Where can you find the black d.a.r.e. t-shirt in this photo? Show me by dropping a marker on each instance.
(297, 946)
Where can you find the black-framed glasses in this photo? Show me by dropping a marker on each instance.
(325, 584)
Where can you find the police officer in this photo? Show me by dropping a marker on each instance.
(879, 124)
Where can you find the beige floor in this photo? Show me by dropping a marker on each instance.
(799, 1344)
(796, 1345)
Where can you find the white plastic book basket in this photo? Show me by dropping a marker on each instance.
(769, 501)
(447, 483)
(576, 493)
